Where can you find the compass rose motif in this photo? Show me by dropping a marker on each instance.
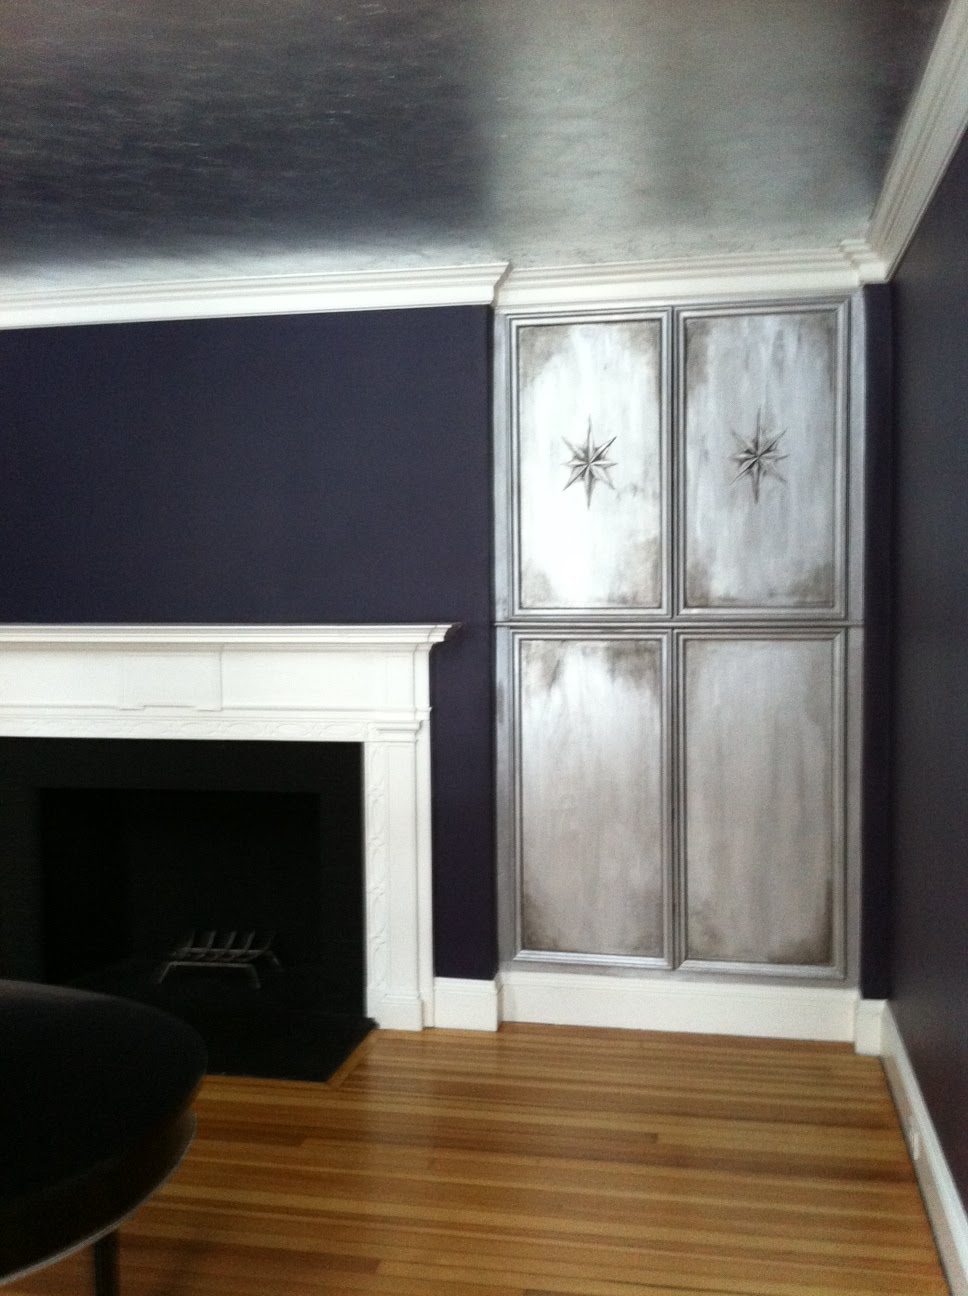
(589, 464)
(758, 458)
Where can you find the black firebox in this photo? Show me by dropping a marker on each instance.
(221, 880)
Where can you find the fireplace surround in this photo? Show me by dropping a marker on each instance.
(367, 684)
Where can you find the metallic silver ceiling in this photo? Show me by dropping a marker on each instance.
(158, 137)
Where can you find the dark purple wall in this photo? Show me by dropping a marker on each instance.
(876, 888)
(308, 468)
(930, 688)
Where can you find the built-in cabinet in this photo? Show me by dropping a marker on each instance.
(679, 620)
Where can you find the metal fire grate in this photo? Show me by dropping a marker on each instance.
(226, 951)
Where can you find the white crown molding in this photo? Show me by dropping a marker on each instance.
(931, 131)
(614, 285)
(585, 287)
(634, 283)
(709, 1006)
(869, 267)
(468, 285)
(941, 1197)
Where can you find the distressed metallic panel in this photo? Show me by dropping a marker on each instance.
(592, 789)
(762, 769)
(589, 414)
(763, 462)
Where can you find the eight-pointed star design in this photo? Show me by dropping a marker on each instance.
(589, 464)
(759, 457)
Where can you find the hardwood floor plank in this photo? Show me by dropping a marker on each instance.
(541, 1161)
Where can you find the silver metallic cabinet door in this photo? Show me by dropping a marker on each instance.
(592, 769)
(590, 446)
(764, 467)
(762, 766)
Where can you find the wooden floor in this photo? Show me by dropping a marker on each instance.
(537, 1162)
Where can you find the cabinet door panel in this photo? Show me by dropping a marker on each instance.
(762, 770)
(590, 445)
(764, 468)
(593, 788)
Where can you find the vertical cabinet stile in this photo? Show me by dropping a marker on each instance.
(674, 580)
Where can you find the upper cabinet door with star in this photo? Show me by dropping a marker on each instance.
(592, 467)
(763, 469)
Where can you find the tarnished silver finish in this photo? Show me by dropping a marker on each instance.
(764, 732)
(755, 389)
(762, 776)
(156, 139)
(593, 818)
(595, 388)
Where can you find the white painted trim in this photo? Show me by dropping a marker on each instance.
(930, 132)
(467, 285)
(465, 1005)
(633, 284)
(582, 287)
(869, 1027)
(377, 638)
(363, 684)
(869, 266)
(946, 1210)
(715, 1007)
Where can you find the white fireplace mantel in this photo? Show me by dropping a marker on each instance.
(360, 683)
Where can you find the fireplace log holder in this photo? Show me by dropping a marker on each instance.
(227, 951)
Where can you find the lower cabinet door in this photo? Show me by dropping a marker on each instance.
(761, 784)
(593, 796)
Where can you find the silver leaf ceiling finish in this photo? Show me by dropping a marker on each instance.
(151, 138)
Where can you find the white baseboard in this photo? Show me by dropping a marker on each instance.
(946, 1210)
(869, 1027)
(465, 1005)
(713, 1007)
(396, 1012)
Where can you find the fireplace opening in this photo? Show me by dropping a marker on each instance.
(222, 881)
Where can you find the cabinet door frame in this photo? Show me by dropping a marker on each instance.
(511, 794)
(843, 621)
(837, 609)
(837, 637)
(507, 443)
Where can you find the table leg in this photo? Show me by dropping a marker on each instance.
(106, 1265)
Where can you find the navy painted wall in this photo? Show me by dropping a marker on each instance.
(876, 882)
(930, 690)
(308, 468)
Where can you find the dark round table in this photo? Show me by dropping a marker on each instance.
(95, 1113)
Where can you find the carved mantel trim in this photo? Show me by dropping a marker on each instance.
(364, 683)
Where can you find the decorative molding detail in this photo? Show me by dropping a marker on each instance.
(930, 132)
(365, 684)
(79, 722)
(703, 278)
(465, 1005)
(706, 1006)
(467, 285)
(946, 1211)
(869, 1027)
(633, 284)
(869, 266)
(377, 854)
(357, 637)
